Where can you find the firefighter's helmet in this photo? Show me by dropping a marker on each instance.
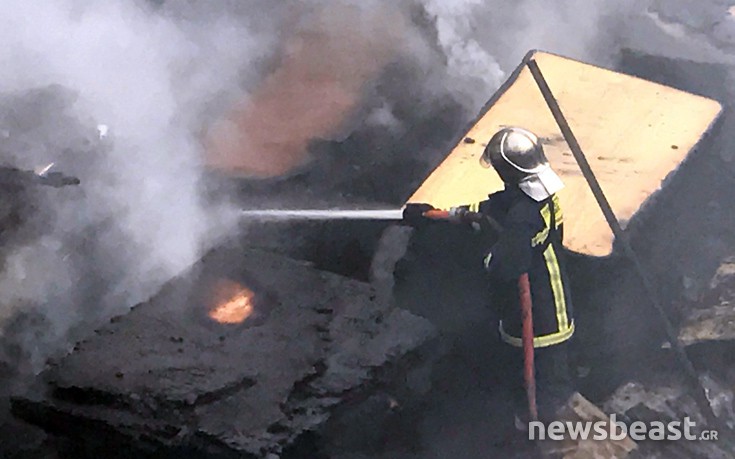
(519, 159)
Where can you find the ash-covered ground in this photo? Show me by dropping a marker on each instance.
(325, 104)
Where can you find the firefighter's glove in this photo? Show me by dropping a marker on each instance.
(413, 214)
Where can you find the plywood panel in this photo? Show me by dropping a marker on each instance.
(633, 132)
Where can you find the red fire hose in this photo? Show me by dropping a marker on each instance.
(529, 376)
(437, 214)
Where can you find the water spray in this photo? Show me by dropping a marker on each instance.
(322, 214)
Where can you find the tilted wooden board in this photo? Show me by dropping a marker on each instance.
(633, 132)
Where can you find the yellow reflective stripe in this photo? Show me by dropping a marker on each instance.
(558, 214)
(539, 341)
(560, 303)
(545, 211)
(541, 236)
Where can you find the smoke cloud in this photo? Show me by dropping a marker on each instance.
(137, 219)
(327, 61)
(238, 86)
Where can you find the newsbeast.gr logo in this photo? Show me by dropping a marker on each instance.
(616, 430)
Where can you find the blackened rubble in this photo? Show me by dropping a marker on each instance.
(165, 377)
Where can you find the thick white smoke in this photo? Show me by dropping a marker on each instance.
(146, 76)
(484, 41)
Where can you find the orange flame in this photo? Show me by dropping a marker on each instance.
(232, 302)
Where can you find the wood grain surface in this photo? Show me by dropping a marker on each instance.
(633, 132)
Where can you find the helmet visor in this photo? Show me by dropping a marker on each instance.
(541, 185)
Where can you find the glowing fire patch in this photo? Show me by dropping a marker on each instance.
(232, 303)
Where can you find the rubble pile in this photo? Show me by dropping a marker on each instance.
(708, 332)
(668, 403)
(712, 317)
(167, 378)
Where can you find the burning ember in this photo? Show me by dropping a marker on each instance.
(232, 303)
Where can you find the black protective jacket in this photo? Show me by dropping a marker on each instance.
(531, 242)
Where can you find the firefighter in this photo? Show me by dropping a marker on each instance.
(529, 211)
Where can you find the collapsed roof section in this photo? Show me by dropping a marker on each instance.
(634, 133)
